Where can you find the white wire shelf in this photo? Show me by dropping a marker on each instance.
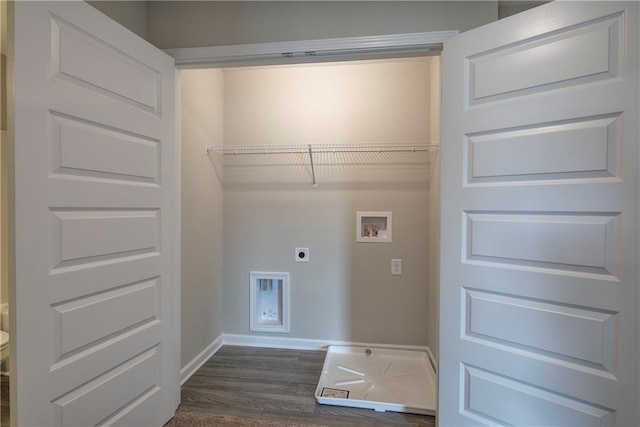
(382, 148)
(386, 147)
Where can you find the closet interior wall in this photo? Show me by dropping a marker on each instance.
(202, 298)
(433, 308)
(346, 292)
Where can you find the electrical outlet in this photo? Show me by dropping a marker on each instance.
(396, 267)
(302, 255)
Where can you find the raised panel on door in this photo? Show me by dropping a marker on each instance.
(95, 202)
(539, 291)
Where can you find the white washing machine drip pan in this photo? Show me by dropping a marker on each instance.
(377, 378)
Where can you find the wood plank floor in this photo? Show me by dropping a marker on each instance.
(275, 385)
(4, 401)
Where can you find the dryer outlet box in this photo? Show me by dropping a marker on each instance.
(302, 255)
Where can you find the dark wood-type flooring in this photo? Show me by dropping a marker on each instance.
(275, 385)
(4, 401)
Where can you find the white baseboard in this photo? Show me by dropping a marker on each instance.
(305, 344)
(195, 364)
(282, 342)
(432, 359)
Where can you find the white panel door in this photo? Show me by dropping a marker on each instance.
(96, 293)
(539, 285)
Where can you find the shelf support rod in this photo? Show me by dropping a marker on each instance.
(313, 170)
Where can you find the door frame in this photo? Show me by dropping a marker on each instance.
(311, 51)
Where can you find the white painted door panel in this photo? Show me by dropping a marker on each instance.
(96, 295)
(539, 292)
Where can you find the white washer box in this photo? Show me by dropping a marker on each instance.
(374, 227)
(269, 295)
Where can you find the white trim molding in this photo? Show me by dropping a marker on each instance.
(280, 342)
(197, 362)
(319, 50)
(432, 359)
(305, 344)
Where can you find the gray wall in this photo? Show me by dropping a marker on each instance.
(434, 255)
(508, 8)
(170, 24)
(433, 308)
(174, 24)
(130, 14)
(202, 298)
(346, 292)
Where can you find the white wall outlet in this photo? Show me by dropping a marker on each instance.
(302, 254)
(396, 267)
